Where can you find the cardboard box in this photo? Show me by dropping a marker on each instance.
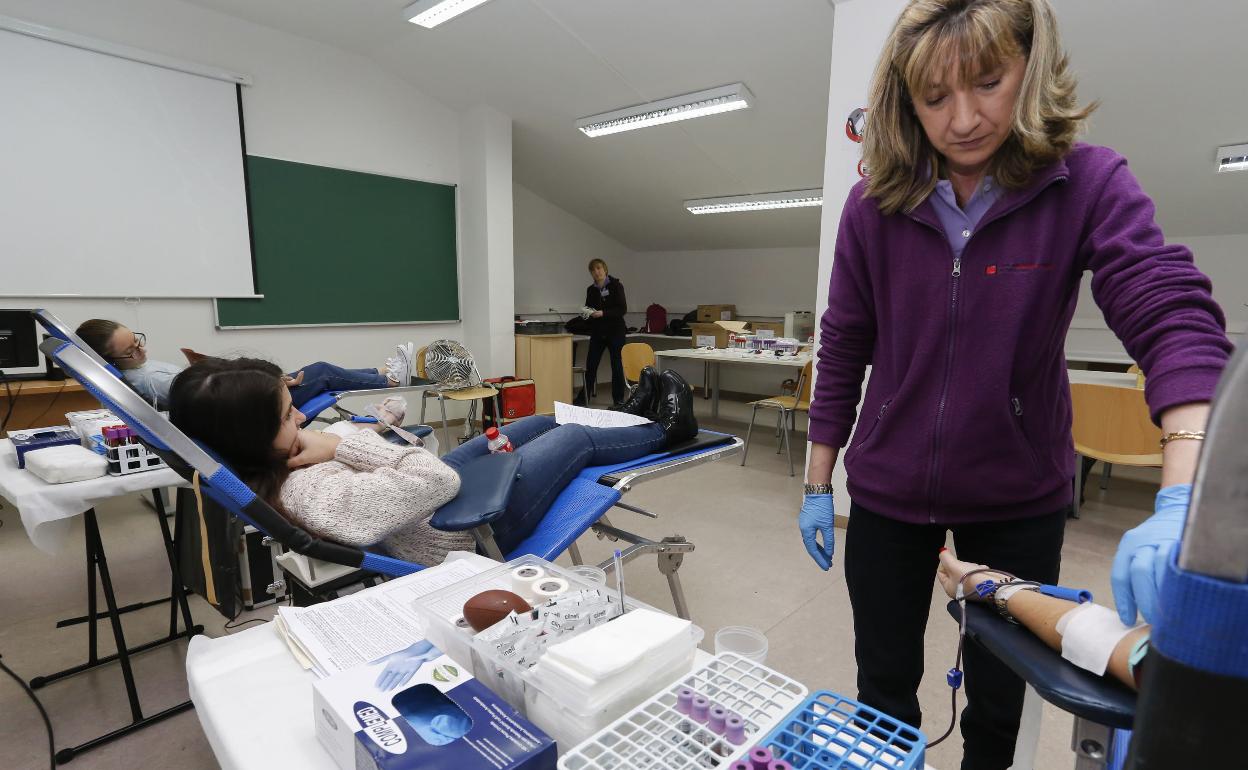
(708, 334)
(713, 313)
(438, 718)
(764, 329)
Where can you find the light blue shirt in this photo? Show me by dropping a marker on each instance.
(152, 381)
(960, 223)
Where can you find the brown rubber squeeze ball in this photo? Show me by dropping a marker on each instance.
(489, 607)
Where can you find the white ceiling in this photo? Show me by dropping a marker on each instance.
(1170, 77)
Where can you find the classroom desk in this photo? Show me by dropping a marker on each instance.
(40, 403)
(1099, 357)
(46, 511)
(718, 358)
(1115, 379)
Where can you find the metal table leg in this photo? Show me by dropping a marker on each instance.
(97, 563)
(715, 391)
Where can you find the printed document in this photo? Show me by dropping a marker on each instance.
(595, 418)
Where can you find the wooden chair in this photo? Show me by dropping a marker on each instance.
(637, 356)
(472, 394)
(1139, 374)
(1112, 424)
(787, 408)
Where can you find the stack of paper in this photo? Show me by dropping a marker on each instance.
(362, 627)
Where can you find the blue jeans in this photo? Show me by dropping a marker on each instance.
(321, 377)
(553, 455)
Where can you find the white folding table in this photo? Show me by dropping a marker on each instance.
(47, 511)
(719, 357)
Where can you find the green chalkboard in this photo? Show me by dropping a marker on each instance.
(344, 247)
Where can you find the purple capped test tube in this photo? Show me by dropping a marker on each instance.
(742, 765)
(701, 709)
(734, 729)
(684, 700)
(715, 719)
(779, 764)
(761, 758)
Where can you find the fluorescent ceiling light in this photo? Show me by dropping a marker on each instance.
(696, 105)
(431, 13)
(791, 199)
(1234, 158)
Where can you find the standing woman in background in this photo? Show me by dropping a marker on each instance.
(957, 271)
(605, 296)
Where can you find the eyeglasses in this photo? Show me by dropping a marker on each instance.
(140, 341)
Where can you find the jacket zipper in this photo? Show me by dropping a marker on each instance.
(1031, 450)
(956, 274)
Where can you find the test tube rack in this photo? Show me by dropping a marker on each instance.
(831, 732)
(650, 736)
(131, 458)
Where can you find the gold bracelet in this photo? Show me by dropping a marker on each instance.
(1179, 435)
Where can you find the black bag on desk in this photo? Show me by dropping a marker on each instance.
(577, 325)
(209, 568)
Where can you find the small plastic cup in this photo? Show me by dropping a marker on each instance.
(744, 641)
(590, 574)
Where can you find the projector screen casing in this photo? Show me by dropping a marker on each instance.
(121, 178)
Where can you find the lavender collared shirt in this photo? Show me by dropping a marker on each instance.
(960, 223)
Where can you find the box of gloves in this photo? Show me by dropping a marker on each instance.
(417, 708)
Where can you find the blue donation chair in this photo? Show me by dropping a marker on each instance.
(581, 506)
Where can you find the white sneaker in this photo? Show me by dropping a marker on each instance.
(399, 369)
(407, 351)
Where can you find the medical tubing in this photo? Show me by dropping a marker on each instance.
(960, 598)
(47, 723)
(1076, 595)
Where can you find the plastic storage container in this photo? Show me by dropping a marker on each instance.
(830, 732)
(562, 713)
(650, 736)
(744, 641)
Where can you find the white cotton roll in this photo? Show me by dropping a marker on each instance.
(523, 578)
(549, 588)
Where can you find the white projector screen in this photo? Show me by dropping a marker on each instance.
(120, 178)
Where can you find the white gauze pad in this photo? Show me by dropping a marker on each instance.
(1089, 634)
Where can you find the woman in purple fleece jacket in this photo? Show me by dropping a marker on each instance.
(956, 274)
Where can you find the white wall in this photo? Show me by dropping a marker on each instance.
(553, 249)
(311, 103)
(760, 282)
(1224, 258)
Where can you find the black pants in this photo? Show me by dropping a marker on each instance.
(890, 569)
(614, 346)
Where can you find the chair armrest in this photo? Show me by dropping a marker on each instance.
(484, 488)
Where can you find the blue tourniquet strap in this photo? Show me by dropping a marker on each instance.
(1203, 622)
(387, 565)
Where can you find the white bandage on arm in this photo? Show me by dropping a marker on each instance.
(1089, 634)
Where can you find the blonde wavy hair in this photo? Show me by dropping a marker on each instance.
(979, 35)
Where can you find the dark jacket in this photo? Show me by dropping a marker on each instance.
(967, 415)
(613, 307)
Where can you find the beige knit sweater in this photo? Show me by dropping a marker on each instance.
(377, 492)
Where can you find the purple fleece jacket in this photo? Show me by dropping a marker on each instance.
(967, 414)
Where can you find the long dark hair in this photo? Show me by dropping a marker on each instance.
(98, 333)
(234, 406)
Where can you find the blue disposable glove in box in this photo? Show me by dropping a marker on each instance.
(417, 708)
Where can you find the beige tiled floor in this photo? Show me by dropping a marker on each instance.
(749, 568)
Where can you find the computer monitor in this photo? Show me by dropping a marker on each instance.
(20, 358)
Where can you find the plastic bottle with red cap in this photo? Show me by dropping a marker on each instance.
(497, 442)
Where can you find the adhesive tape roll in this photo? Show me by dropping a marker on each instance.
(549, 588)
(523, 578)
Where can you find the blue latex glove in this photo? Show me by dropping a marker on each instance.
(1143, 554)
(401, 665)
(816, 517)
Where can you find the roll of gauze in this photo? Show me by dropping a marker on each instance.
(1089, 634)
(523, 578)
